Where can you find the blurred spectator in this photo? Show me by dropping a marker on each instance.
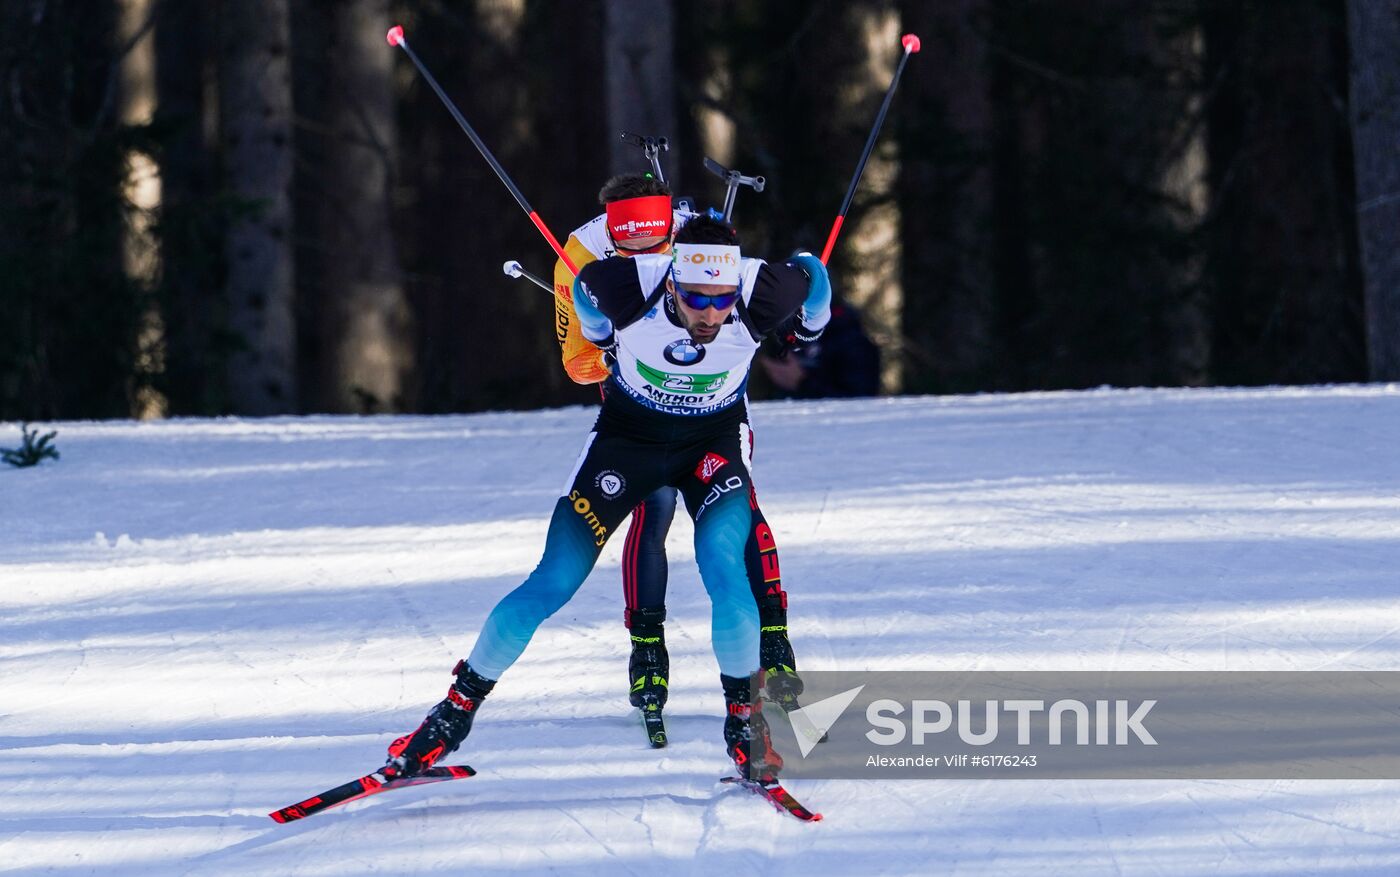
(843, 362)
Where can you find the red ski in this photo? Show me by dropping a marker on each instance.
(779, 796)
(371, 784)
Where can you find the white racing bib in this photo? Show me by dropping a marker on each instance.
(659, 365)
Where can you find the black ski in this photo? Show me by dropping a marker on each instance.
(655, 727)
(778, 796)
(371, 784)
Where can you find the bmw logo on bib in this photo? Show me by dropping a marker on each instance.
(684, 352)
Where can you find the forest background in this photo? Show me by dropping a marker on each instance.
(258, 207)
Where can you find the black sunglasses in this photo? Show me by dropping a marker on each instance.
(696, 301)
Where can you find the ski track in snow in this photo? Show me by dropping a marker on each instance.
(203, 620)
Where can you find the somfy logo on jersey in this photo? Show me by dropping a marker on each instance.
(684, 352)
(696, 254)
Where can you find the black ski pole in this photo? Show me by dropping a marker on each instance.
(396, 38)
(911, 45)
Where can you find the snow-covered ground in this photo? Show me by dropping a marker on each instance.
(201, 621)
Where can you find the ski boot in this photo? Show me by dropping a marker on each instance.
(746, 733)
(444, 729)
(648, 669)
(775, 652)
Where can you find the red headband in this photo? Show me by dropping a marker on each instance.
(634, 218)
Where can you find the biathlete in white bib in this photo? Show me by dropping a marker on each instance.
(680, 332)
(639, 219)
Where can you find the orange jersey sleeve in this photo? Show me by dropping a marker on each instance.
(582, 360)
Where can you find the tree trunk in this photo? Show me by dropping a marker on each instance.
(792, 98)
(1287, 304)
(141, 257)
(256, 120)
(69, 314)
(946, 119)
(873, 238)
(1375, 118)
(638, 39)
(1185, 185)
(1098, 195)
(352, 312)
(812, 137)
(487, 341)
(192, 215)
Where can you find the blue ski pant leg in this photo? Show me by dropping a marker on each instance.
(720, 533)
(604, 487)
(569, 554)
(718, 491)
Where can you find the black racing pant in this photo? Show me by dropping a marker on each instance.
(631, 453)
(644, 565)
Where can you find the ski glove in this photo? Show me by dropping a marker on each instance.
(816, 309)
(596, 327)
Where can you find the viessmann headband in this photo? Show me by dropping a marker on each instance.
(705, 263)
(635, 218)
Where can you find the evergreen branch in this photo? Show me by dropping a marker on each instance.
(33, 450)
